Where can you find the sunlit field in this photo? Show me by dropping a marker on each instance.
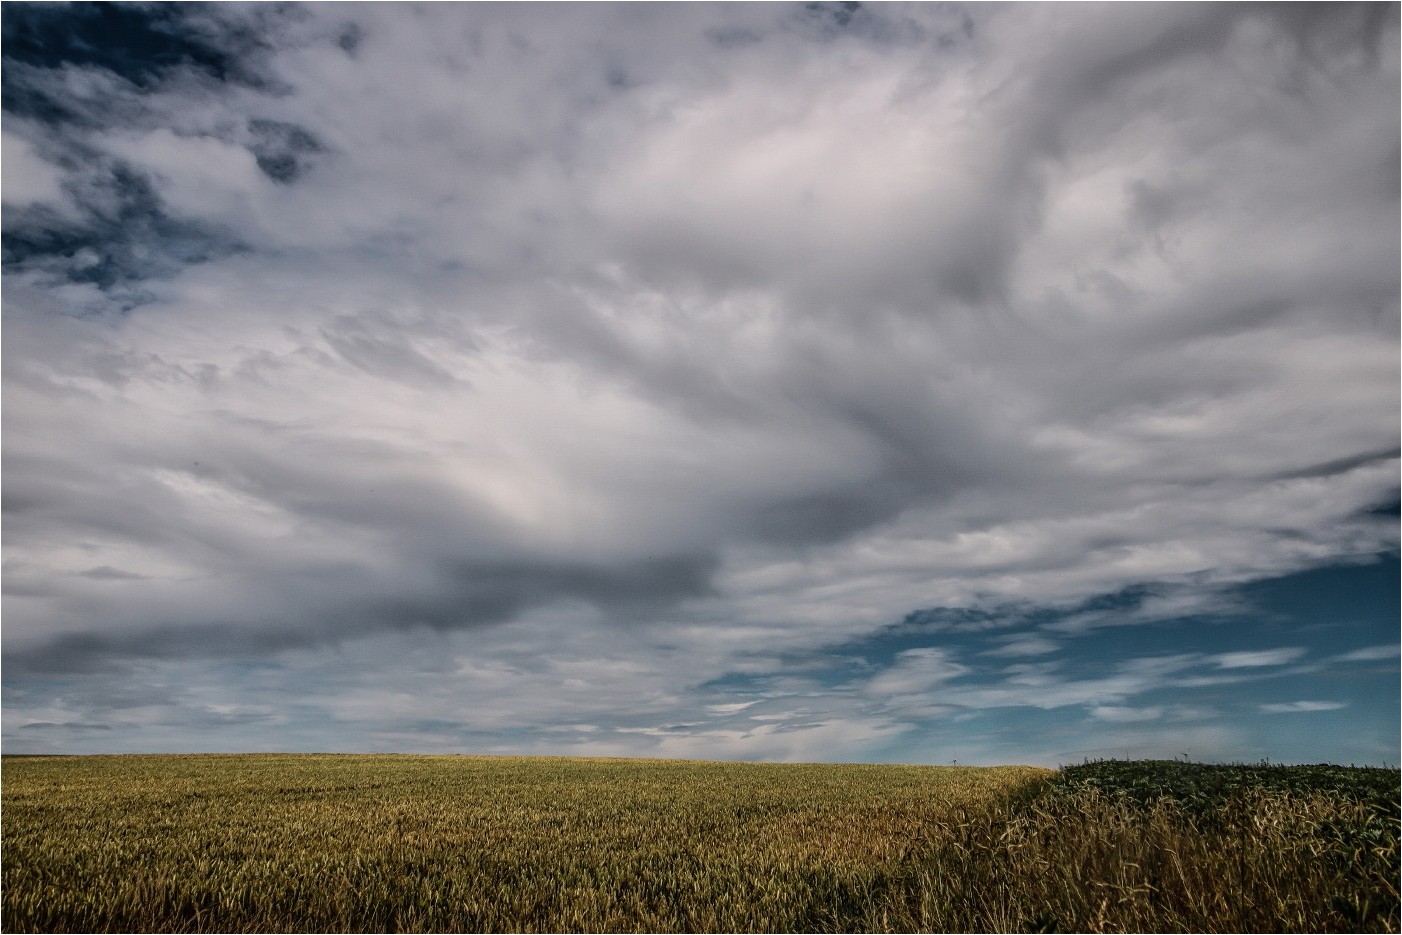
(405, 843)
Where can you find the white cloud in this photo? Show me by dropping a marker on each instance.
(1025, 646)
(1369, 654)
(28, 177)
(1251, 659)
(916, 671)
(1293, 707)
(1124, 715)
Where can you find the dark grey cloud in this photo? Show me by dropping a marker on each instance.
(284, 151)
(75, 72)
(140, 44)
(124, 236)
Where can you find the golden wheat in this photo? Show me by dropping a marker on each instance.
(397, 843)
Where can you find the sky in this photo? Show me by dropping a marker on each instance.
(818, 382)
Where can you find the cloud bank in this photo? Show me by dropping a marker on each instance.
(573, 359)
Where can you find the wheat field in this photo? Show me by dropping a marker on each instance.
(418, 843)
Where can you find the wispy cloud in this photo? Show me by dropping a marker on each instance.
(1252, 659)
(1293, 707)
(1370, 654)
(1124, 715)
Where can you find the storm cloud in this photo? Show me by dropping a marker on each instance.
(679, 344)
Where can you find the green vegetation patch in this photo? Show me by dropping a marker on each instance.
(1202, 788)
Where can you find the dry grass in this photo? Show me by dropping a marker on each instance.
(362, 843)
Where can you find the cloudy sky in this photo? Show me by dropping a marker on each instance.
(811, 382)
